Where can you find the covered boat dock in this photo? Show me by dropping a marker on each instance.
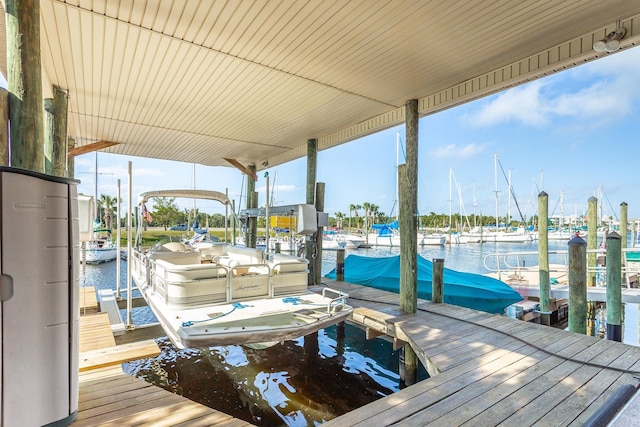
(253, 85)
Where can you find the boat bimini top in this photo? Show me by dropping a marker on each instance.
(188, 194)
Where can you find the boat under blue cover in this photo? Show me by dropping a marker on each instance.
(464, 289)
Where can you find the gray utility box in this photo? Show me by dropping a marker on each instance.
(39, 285)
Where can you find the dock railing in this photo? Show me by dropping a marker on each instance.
(514, 264)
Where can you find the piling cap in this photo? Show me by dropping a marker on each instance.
(613, 235)
(577, 241)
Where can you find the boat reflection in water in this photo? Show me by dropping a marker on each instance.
(294, 383)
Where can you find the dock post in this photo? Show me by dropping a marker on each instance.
(252, 202)
(340, 265)
(437, 281)
(624, 221)
(543, 257)
(312, 163)
(408, 185)
(614, 290)
(277, 247)
(318, 235)
(578, 285)
(592, 244)
(24, 80)
(55, 133)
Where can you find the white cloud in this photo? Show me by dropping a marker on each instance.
(610, 95)
(459, 152)
(523, 104)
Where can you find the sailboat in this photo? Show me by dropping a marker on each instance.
(101, 248)
(504, 235)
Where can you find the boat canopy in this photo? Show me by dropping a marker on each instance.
(463, 289)
(185, 193)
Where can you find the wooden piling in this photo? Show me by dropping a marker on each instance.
(4, 127)
(252, 222)
(437, 281)
(624, 221)
(318, 235)
(24, 79)
(408, 221)
(70, 160)
(312, 161)
(592, 238)
(59, 151)
(543, 256)
(277, 247)
(592, 244)
(340, 265)
(614, 290)
(578, 285)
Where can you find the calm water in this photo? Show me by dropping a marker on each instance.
(295, 383)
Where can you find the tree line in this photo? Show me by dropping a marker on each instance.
(166, 213)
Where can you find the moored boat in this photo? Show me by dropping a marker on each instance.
(464, 289)
(100, 249)
(225, 294)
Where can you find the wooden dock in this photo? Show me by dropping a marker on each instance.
(490, 369)
(486, 370)
(109, 397)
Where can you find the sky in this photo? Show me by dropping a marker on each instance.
(573, 135)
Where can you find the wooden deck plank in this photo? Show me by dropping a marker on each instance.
(115, 355)
(461, 342)
(95, 332)
(108, 397)
(459, 408)
(88, 300)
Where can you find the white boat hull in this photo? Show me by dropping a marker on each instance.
(235, 296)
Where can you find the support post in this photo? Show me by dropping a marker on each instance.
(408, 219)
(25, 84)
(437, 281)
(312, 162)
(233, 225)
(624, 222)
(578, 285)
(55, 133)
(318, 235)
(592, 244)
(4, 127)
(408, 192)
(340, 265)
(614, 290)
(252, 222)
(70, 160)
(543, 256)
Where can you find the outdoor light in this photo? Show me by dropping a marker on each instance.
(612, 41)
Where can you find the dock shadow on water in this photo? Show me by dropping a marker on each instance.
(295, 383)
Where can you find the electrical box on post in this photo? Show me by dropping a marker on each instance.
(307, 220)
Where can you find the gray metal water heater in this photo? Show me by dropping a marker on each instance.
(39, 285)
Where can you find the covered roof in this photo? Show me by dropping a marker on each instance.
(203, 81)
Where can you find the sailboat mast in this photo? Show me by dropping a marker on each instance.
(95, 182)
(395, 203)
(450, 199)
(495, 178)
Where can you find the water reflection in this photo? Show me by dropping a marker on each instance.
(295, 383)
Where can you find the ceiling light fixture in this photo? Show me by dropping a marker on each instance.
(612, 41)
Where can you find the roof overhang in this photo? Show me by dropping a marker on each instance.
(203, 81)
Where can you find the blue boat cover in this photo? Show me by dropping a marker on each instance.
(464, 289)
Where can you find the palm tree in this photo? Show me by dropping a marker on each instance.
(108, 205)
(339, 217)
(356, 208)
(352, 208)
(367, 208)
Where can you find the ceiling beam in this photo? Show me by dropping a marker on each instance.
(242, 168)
(90, 148)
